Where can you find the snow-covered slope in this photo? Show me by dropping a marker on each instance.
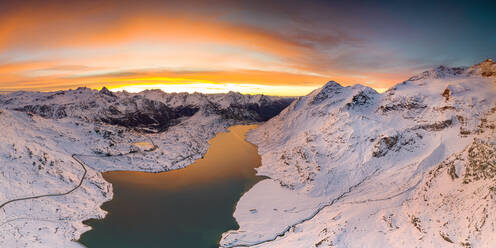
(414, 166)
(35, 159)
(41, 131)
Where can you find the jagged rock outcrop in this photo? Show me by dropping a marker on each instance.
(486, 69)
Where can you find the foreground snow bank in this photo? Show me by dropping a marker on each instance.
(286, 208)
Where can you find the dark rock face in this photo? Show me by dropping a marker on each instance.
(157, 121)
(400, 141)
(401, 104)
(146, 115)
(437, 126)
(185, 110)
(363, 98)
(266, 110)
(446, 94)
(384, 145)
(47, 111)
(269, 109)
(481, 164)
(105, 91)
(251, 112)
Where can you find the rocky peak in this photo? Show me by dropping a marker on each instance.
(81, 90)
(332, 85)
(105, 91)
(487, 68)
(234, 95)
(331, 88)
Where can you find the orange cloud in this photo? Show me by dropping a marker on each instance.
(60, 46)
(53, 28)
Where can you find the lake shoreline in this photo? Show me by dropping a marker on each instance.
(142, 179)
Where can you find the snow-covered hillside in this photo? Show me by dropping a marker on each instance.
(414, 166)
(41, 131)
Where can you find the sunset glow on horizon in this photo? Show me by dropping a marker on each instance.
(212, 88)
(276, 48)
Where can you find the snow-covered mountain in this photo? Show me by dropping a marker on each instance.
(41, 131)
(414, 166)
(151, 110)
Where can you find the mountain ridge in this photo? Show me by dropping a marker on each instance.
(153, 111)
(346, 162)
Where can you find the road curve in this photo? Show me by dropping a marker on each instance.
(74, 156)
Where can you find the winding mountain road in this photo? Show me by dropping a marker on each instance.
(54, 194)
(74, 156)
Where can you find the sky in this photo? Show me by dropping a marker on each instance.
(259, 46)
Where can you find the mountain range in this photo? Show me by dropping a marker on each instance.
(346, 166)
